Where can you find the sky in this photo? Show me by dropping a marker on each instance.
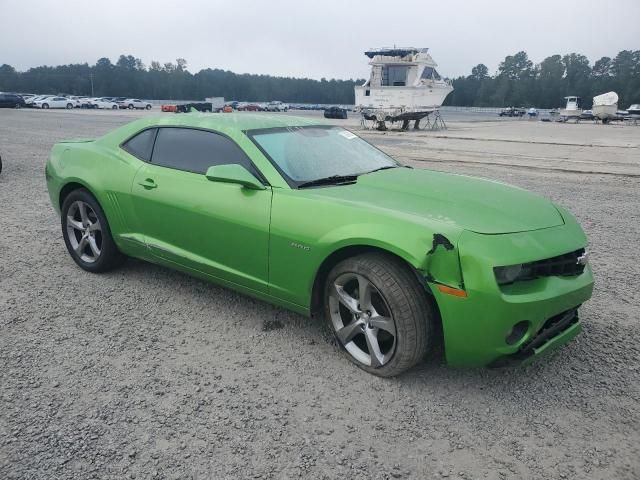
(309, 38)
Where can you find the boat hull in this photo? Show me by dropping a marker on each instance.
(405, 99)
(605, 112)
(570, 113)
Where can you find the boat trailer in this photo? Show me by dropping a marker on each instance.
(377, 119)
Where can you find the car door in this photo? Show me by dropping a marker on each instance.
(220, 229)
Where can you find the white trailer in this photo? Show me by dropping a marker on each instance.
(217, 103)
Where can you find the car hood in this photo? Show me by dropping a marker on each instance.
(474, 204)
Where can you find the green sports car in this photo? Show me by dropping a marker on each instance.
(311, 217)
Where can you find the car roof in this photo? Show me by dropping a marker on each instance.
(229, 122)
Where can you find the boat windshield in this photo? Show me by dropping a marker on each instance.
(430, 73)
(307, 154)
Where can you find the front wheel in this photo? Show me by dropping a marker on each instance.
(45, 105)
(69, 106)
(130, 107)
(115, 107)
(87, 234)
(148, 107)
(379, 313)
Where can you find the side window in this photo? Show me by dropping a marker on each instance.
(141, 145)
(195, 150)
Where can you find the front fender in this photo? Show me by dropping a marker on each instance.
(305, 232)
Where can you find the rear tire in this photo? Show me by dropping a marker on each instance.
(69, 106)
(87, 235)
(130, 106)
(379, 313)
(148, 107)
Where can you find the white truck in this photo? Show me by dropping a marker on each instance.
(217, 103)
(276, 106)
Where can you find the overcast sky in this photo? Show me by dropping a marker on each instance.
(313, 39)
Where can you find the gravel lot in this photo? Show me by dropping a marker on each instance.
(147, 373)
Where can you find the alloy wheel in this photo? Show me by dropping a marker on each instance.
(84, 231)
(362, 320)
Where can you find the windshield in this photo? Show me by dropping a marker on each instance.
(305, 154)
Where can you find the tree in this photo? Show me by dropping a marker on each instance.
(602, 68)
(480, 72)
(516, 67)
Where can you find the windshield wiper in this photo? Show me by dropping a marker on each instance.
(332, 180)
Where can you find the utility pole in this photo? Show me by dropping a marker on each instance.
(91, 77)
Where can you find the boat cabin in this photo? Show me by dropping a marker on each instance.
(573, 103)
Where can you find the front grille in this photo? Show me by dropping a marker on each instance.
(566, 265)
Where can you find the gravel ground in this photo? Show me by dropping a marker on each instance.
(148, 373)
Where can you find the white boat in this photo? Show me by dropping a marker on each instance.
(634, 110)
(404, 85)
(572, 109)
(605, 106)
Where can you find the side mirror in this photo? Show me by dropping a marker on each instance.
(234, 173)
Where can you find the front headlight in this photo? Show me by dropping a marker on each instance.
(508, 274)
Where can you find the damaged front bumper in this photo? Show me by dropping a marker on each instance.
(502, 325)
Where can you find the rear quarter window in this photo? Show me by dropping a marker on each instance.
(141, 146)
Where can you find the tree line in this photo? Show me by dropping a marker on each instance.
(129, 77)
(520, 82)
(517, 82)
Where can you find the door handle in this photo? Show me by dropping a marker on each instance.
(148, 184)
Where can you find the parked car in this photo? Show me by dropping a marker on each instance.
(27, 97)
(132, 103)
(315, 219)
(104, 103)
(169, 108)
(512, 112)
(276, 107)
(250, 107)
(30, 102)
(81, 101)
(54, 102)
(11, 100)
(335, 112)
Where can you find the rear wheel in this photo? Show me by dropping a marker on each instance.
(115, 107)
(69, 106)
(130, 106)
(87, 235)
(148, 107)
(378, 313)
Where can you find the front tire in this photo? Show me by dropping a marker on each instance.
(148, 107)
(69, 106)
(379, 313)
(45, 105)
(130, 106)
(87, 235)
